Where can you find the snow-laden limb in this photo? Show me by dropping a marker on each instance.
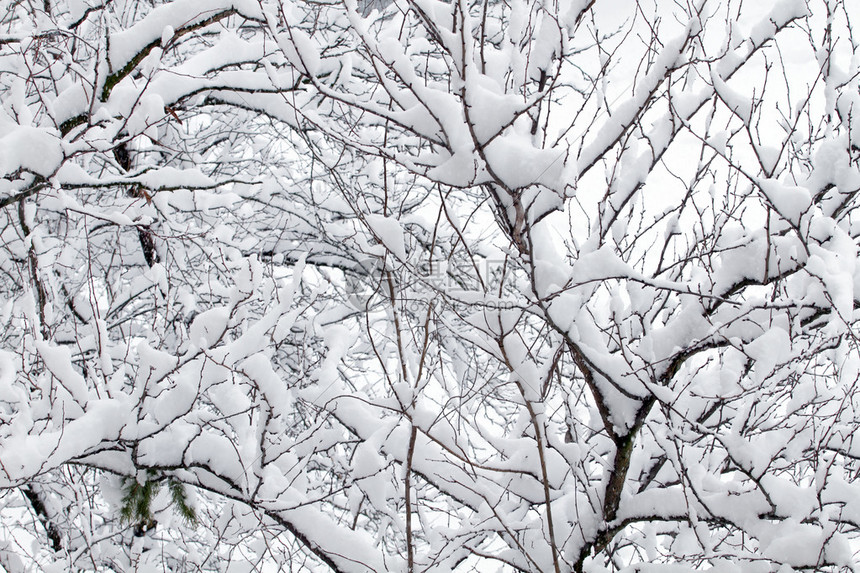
(437, 286)
(648, 299)
(161, 408)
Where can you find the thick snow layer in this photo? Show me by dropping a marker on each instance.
(389, 232)
(769, 350)
(209, 326)
(789, 201)
(32, 149)
(162, 23)
(33, 454)
(740, 104)
(58, 360)
(518, 163)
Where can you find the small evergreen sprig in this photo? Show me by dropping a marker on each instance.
(179, 497)
(138, 497)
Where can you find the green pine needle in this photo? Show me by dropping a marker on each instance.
(137, 500)
(180, 499)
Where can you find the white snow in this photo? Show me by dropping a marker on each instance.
(32, 149)
(389, 232)
(789, 201)
(209, 326)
